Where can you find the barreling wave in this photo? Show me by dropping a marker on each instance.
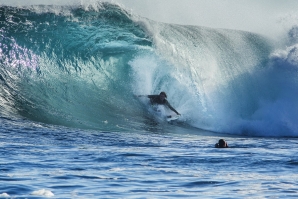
(81, 67)
(69, 65)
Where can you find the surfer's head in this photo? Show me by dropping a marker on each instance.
(162, 95)
(221, 144)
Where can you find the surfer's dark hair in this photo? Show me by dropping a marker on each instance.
(163, 93)
(221, 143)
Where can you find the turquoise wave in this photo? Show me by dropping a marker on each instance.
(81, 67)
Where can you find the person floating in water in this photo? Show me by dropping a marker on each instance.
(160, 99)
(221, 144)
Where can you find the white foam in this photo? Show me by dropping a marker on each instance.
(4, 195)
(43, 192)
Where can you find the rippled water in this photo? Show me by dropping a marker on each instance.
(39, 161)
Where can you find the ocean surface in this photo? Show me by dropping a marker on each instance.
(72, 126)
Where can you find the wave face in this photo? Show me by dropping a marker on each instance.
(81, 67)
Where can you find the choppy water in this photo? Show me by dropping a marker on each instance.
(72, 127)
(53, 161)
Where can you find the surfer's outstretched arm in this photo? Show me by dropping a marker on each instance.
(170, 107)
(142, 95)
(149, 96)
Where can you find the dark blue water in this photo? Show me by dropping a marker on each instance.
(39, 161)
(71, 125)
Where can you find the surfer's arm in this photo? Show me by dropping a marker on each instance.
(170, 107)
(142, 95)
(149, 96)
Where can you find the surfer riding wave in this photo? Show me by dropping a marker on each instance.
(160, 99)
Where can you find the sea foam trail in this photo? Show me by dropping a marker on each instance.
(80, 66)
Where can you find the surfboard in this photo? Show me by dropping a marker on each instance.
(161, 113)
(172, 117)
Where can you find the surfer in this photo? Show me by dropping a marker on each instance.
(160, 99)
(221, 144)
